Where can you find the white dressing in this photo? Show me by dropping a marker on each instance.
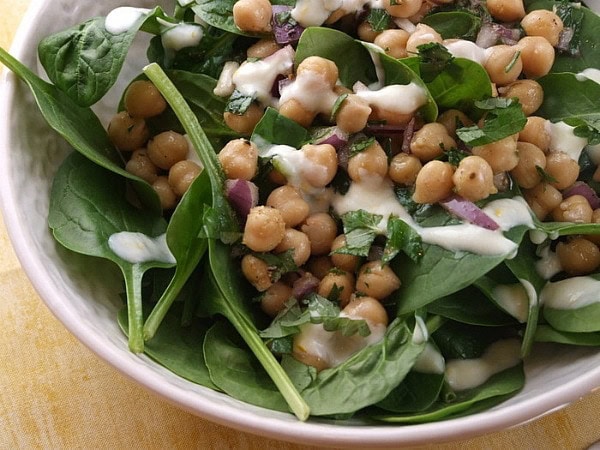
(420, 333)
(225, 86)
(463, 374)
(589, 74)
(549, 264)
(314, 12)
(137, 248)
(121, 19)
(430, 361)
(182, 35)
(461, 48)
(562, 139)
(571, 293)
(513, 299)
(312, 91)
(398, 98)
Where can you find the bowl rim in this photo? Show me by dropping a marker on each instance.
(278, 425)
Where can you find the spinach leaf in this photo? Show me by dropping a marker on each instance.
(84, 61)
(545, 333)
(503, 117)
(461, 341)
(178, 348)
(580, 320)
(218, 14)
(352, 58)
(187, 248)
(79, 126)
(401, 237)
(589, 47)
(360, 228)
(379, 19)
(235, 370)
(275, 129)
(567, 96)
(493, 391)
(556, 229)
(87, 206)
(454, 24)
(434, 59)
(417, 392)
(348, 387)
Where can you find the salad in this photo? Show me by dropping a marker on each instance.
(333, 208)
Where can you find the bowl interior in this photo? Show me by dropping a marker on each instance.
(83, 292)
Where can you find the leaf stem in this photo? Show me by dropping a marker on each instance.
(133, 286)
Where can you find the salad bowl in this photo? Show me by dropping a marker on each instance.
(83, 293)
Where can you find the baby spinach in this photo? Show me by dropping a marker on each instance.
(219, 14)
(495, 390)
(87, 205)
(454, 24)
(545, 333)
(235, 370)
(348, 387)
(580, 320)
(177, 347)
(275, 129)
(84, 61)
(569, 96)
(79, 126)
(417, 392)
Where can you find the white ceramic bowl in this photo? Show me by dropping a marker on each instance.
(82, 292)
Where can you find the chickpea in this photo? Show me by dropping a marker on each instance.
(537, 55)
(335, 16)
(503, 64)
(404, 169)
(501, 155)
(526, 172)
(319, 266)
(252, 15)
(298, 241)
(371, 161)
(430, 141)
(167, 148)
(366, 33)
(167, 197)
(239, 159)
(244, 123)
(127, 133)
(376, 280)
(323, 167)
(562, 168)
(542, 199)
(287, 199)
(536, 132)
(338, 284)
(423, 34)
(425, 9)
(506, 10)
(393, 42)
(324, 67)
(301, 352)
(274, 298)
(349, 263)
(543, 23)
(294, 110)
(143, 99)
(367, 308)
(140, 165)
(474, 179)
(182, 174)
(321, 230)
(578, 256)
(276, 177)
(388, 116)
(264, 229)
(402, 8)
(434, 182)
(353, 114)
(257, 272)
(574, 209)
(529, 93)
(453, 119)
(262, 49)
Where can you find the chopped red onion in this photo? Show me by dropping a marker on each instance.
(382, 129)
(278, 84)
(375, 253)
(333, 136)
(492, 33)
(564, 41)
(408, 135)
(305, 285)
(467, 210)
(585, 190)
(242, 194)
(285, 29)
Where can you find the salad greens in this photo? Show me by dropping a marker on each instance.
(190, 307)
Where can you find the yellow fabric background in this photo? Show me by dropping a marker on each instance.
(54, 393)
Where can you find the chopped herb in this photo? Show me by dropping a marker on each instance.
(401, 237)
(379, 19)
(455, 156)
(513, 61)
(238, 103)
(434, 60)
(361, 145)
(279, 264)
(545, 176)
(337, 105)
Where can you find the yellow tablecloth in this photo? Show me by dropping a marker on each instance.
(54, 393)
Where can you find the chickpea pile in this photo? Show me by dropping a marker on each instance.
(162, 159)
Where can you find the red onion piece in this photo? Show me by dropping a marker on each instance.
(585, 190)
(305, 285)
(284, 30)
(564, 41)
(333, 136)
(382, 129)
(492, 33)
(467, 210)
(242, 194)
(408, 135)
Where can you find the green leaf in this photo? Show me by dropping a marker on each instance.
(434, 59)
(401, 237)
(417, 392)
(238, 103)
(545, 333)
(87, 206)
(454, 24)
(360, 228)
(218, 14)
(279, 264)
(360, 145)
(567, 96)
(379, 19)
(275, 129)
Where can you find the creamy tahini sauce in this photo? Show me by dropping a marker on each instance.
(181, 36)
(136, 248)
(430, 361)
(548, 263)
(562, 139)
(571, 293)
(225, 86)
(463, 374)
(256, 78)
(399, 98)
(121, 19)
(461, 48)
(515, 298)
(311, 13)
(589, 74)
(312, 91)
